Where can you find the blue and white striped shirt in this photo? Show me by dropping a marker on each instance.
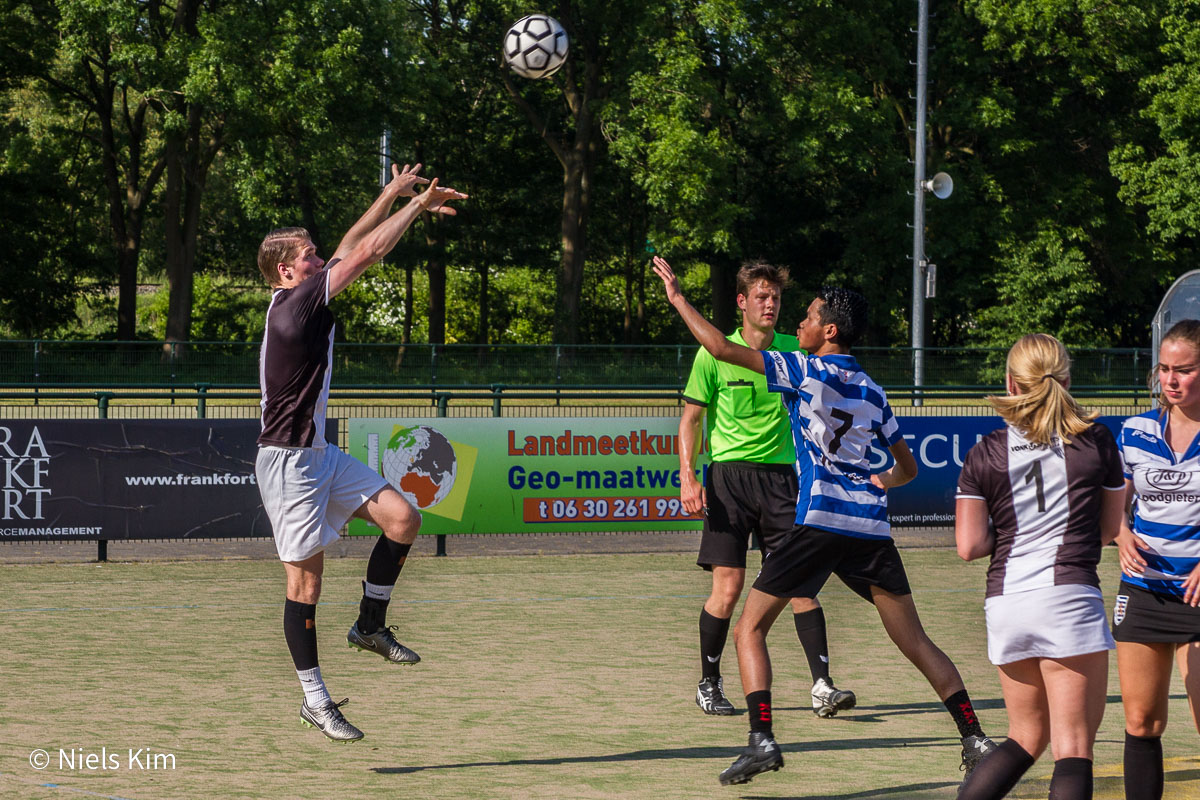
(837, 412)
(1167, 512)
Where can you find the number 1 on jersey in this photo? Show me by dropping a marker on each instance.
(1035, 475)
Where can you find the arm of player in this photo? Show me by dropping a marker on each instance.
(1112, 515)
(972, 533)
(1128, 542)
(706, 334)
(691, 491)
(379, 242)
(402, 184)
(903, 471)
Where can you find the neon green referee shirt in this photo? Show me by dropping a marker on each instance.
(745, 421)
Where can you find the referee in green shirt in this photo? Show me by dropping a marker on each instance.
(751, 486)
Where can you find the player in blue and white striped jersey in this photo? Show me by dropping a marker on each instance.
(836, 411)
(1157, 613)
(839, 412)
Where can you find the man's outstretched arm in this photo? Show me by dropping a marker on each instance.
(380, 241)
(403, 184)
(710, 338)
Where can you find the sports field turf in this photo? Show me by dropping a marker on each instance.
(547, 677)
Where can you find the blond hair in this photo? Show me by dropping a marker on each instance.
(280, 246)
(1186, 330)
(1043, 410)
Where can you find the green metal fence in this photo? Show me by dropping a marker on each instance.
(58, 364)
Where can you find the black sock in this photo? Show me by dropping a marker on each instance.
(387, 559)
(959, 706)
(997, 774)
(810, 627)
(1072, 779)
(300, 631)
(372, 613)
(383, 568)
(713, 633)
(759, 704)
(1143, 767)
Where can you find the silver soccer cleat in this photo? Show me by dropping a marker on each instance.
(383, 643)
(328, 720)
(827, 699)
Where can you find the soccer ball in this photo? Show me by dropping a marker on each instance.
(535, 46)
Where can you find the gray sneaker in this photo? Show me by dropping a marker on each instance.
(328, 720)
(383, 643)
(827, 699)
(974, 750)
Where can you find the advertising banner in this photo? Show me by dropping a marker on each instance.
(129, 479)
(940, 444)
(515, 474)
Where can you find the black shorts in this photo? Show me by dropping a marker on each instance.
(803, 563)
(745, 497)
(1140, 615)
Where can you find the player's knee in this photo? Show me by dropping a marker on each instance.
(1143, 724)
(401, 522)
(306, 589)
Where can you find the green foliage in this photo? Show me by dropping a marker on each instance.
(728, 130)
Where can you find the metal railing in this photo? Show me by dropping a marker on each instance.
(67, 364)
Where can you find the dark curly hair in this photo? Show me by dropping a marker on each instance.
(845, 308)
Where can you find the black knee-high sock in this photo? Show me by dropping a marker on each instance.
(300, 631)
(810, 628)
(383, 568)
(713, 633)
(959, 706)
(997, 774)
(759, 704)
(1072, 779)
(1143, 767)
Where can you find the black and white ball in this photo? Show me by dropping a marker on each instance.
(535, 46)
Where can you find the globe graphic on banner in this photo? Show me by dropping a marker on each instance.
(420, 463)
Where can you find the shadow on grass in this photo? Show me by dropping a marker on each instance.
(875, 713)
(908, 790)
(683, 752)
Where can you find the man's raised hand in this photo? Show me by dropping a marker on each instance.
(404, 181)
(435, 197)
(663, 270)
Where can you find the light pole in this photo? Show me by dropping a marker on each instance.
(923, 273)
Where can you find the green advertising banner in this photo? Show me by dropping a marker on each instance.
(521, 474)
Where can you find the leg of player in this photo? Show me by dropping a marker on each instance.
(1077, 691)
(899, 616)
(399, 521)
(762, 754)
(300, 631)
(809, 619)
(727, 585)
(1145, 671)
(1188, 657)
(1028, 733)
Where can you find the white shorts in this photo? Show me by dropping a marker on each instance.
(309, 493)
(1053, 622)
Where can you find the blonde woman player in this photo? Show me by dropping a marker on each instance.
(1050, 481)
(1157, 614)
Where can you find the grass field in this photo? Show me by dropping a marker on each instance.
(543, 677)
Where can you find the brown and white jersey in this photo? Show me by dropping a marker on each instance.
(1044, 501)
(294, 364)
